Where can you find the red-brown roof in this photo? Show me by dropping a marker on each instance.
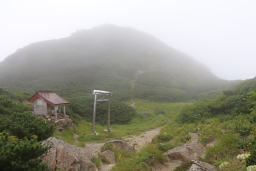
(49, 97)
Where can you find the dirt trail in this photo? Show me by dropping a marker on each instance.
(138, 141)
(93, 148)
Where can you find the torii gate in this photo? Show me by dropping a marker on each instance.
(95, 93)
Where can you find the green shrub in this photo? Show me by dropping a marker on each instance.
(96, 161)
(121, 113)
(243, 129)
(183, 167)
(250, 145)
(26, 125)
(142, 160)
(165, 146)
(163, 137)
(107, 146)
(227, 147)
(21, 154)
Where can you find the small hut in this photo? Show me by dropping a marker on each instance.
(48, 103)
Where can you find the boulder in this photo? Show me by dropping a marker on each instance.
(63, 123)
(108, 156)
(63, 156)
(189, 151)
(195, 167)
(121, 145)
(180, 153)
(201, 166)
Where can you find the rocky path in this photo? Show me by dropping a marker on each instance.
(93, 149)
(138, 141)
(193, 149)
(64, 156)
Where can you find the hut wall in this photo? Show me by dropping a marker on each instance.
(40, 107)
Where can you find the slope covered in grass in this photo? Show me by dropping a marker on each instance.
(227, 121)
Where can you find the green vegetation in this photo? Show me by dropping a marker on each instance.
(141, 160)
(229, 121)
(183, 167)
(226, 125)
(20, 134)
(153, 153)
(26, 125)
(21, 154)
(84, 131)
(121, 113)
(149, 115)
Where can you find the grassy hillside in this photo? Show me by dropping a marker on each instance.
(226, 126)
(130, 63)
(229, 122)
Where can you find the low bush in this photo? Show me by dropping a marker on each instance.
(21, 154)
(26, 125)
(165, 146)
(141, 160)
(183, 167)
(164, 137)
(226, 148)
(121, 113)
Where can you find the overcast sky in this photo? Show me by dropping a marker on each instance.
(219, 33)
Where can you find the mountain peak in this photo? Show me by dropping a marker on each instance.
(108, 57)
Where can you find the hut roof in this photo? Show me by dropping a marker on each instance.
(49, 97)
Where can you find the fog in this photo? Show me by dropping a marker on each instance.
(220, 34)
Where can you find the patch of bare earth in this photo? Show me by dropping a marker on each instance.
(138, 141)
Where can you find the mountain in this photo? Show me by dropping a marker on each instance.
(128, 62)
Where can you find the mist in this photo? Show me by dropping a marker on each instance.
(219, 34)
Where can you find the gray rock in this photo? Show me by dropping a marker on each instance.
(63, 123)
(121, 145)
(190, 151)
(108, 156)
(63, 156)
(195, 167)
(202, 165)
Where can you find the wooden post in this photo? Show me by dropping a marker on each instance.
(94, 114)
(64, 110)
(108, 115)
(56, 111)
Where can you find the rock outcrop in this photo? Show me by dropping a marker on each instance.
(188, 152)
(201, 166)
(61, 121)
(108, 156)
(63, 156)
(121, 146)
